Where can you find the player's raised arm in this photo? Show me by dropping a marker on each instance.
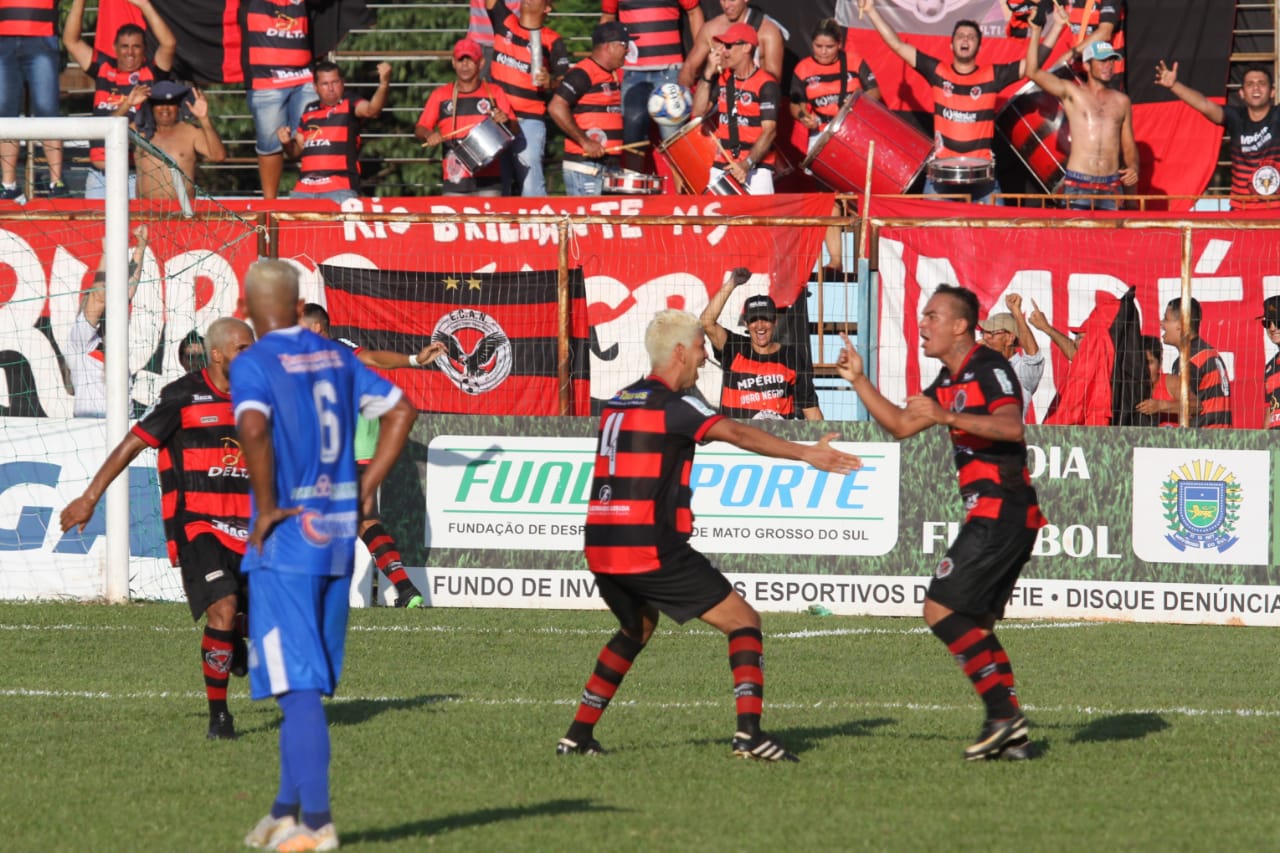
(897, 420)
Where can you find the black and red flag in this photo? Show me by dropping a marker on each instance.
(500, 331)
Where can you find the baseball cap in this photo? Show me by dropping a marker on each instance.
(1271, 309)
(609, 31)
(739, 33)
(469, 48)
(760, 307)
(1100, 50)
(1002, 322)
(168, 92)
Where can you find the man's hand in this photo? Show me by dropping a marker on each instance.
(430, 353)
(77, 513)
(1155, 407)
(592, 150)
(138, 95)
(739, 276)
(266, 521)
(199, 104)
(384, 73)
(824, 457)
(865, 6)
(920, 406)
(849, 363)
(738, 171)
(542, 79)
(284, 135)
(1037, 318)
(1129, 176)
(499, 116)
(433, 139)
(1014, 303)
(1166, 76)
(140, 234)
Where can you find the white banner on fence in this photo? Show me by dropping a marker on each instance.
(876, 596)
(526, 493)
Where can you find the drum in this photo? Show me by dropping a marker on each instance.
(839, 155)
(1035, 126)
(627, 182)
(482, 144)
(726, 184)
(691, 153)
(961, 171)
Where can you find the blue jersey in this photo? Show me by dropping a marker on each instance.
(312, 390)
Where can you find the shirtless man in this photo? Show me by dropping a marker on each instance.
(179, 141)
(735, 12)
(1101, 121)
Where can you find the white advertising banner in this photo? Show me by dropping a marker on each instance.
(512, 492)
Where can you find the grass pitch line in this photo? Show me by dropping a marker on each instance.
(519, 701)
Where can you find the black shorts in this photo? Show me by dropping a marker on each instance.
(981, 567)
(685, 587)
(210, 572)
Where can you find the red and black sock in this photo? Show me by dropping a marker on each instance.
(979, 655)
(612, 665)
(385, 553)
(746, 659)
(216, 650)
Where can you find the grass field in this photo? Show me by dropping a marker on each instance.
(1154, 738)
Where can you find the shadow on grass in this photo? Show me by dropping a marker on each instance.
(343, 713)
(1120, 727)
(480, 817)
(797, 739)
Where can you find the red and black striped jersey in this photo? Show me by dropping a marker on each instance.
(1271, 387)
(37, 18)
(1208, 380)
(276, 46)
(964, 105)
(513, 61)
(654, 26)
(204, 485)
(111, 87)
(1255, 157)
(755, 100)
(450, 115)
(819, 86)
(756, 383)
(595, 97)
(994, 481)
(640, 509)
(330, 146)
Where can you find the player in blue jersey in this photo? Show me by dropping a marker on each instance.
(296, 397)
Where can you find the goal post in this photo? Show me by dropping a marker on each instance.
(114, 133)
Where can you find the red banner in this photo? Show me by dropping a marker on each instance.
(1062, 269)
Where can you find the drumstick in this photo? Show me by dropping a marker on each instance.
(630, 146)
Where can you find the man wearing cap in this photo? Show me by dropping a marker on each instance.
(172, 177)
(1271, 378)
(328, 135)
(1104, 154)
(769, 55)
(1254, 131)
(529, 61)
(587, 106)
(452, 111)
(746, 100)
(762, 378)
(965, 93)
(1005, 332)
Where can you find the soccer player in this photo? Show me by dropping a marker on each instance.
(296, 397)
(639, 524)
(205, 499)
(381, 544)
(978, 398)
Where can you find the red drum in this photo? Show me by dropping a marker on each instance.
(839, 155)
(691, 153)
(1035, 126)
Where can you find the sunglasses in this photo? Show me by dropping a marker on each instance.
(1270, 324)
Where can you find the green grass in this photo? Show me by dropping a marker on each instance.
(1155, 738)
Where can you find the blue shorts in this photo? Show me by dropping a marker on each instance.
(273, 109)
(297, 632)
(34, 59)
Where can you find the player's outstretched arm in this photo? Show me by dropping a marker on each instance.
(822, 455)
(893, 418)
(388, 360)
(79, 511)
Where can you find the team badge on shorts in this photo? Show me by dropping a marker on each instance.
(944, 568)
